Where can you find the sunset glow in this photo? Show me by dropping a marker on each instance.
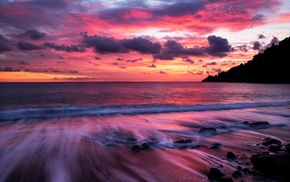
(158, 40)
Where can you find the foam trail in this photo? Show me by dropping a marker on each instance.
(76, 111)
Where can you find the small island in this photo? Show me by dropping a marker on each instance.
(271, 66)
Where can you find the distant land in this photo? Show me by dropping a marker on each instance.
(271, 66)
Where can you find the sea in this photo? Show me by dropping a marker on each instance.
(88, 131)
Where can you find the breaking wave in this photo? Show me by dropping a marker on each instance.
(76, 111)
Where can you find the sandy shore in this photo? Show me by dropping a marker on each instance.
(59, 152)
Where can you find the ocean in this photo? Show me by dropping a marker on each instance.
(87, 131)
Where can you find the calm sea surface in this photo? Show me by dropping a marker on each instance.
(56, 95)
(76, 131)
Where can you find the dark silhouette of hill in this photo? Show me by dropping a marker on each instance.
(272, 66)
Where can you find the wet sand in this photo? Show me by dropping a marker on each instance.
(80, 150)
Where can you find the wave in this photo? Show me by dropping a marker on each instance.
(76, 111)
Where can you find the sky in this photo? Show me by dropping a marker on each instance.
(134, 40)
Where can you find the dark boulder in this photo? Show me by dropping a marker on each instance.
(145, 146)
(231, 155)
(269, 141)
(260, 125)
(215, 174)
(136, 148)
(237, 174)
(247, 171)
(274, 148)
(183, 141)
(275, 165)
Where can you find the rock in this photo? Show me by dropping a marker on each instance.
(207, 131)
(215, 174)
(195, 146)
(183, 144)
(237, 174)
(224, 179)
(216, 146)
(269, 141)
(145, 146)
(287, 146)
(275, 164)
(136, 148)
(183, 141)
(274, 148)
(260, 125)
(239, 168)
(246, 171)
(231, 155)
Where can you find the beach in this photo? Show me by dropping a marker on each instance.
(141, 142)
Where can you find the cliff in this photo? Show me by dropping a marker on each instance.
(272, 66)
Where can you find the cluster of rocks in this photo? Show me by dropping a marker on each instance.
(258, 124)
(186, 143)
(275, 163)
(217, 175)
(143, 146)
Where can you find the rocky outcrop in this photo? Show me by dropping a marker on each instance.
(272, 66)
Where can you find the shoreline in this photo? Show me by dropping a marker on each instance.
(157, 147)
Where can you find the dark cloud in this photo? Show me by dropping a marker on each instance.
(274, 41)
(9, 69)
(28, 46)
(258, 17)
(186, 59)
(209, 64)
(32, 34)
(23, 62)
(178, 8)
(142, 45)
(163, 72)
(111, 45)
(104, 45)
(133, 60)
(261, 36)
(218, 70)
(4, 45)
(60, 57)
(174, 49)
(152, 66)
(256, 45)
(243, 48)
(120, 59)
(218, 46)
(115, 64)
(195, 73)
(74, 78)
(52, 70)
(63, 47)
(98, 58)
(33, 13)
